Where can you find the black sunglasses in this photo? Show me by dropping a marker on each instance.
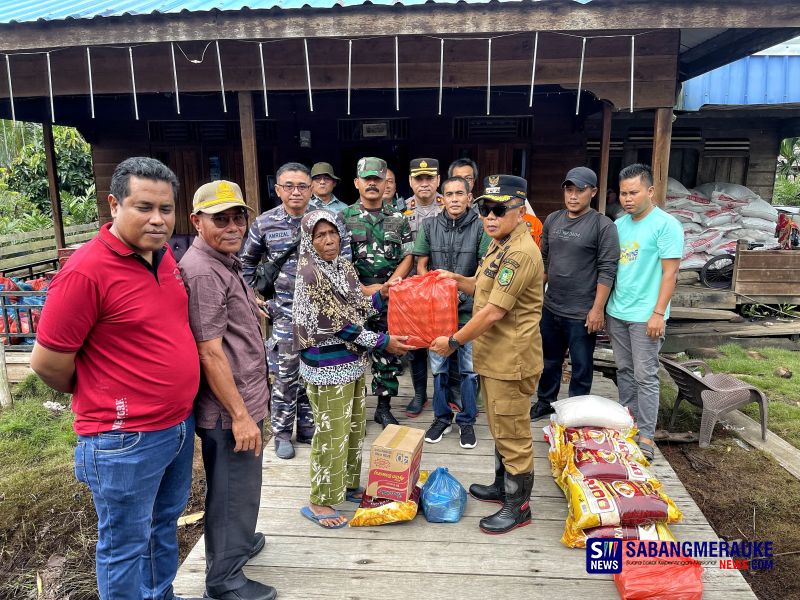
(499, 210)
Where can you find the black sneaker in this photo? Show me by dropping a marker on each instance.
(541, 409)
(468, 437)
(436, 431)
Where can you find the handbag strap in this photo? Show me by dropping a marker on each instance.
(282, 258)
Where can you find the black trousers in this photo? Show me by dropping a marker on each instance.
(233, 494)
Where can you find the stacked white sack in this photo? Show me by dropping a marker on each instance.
(715, 215)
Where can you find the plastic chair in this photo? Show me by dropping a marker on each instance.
(715, 393)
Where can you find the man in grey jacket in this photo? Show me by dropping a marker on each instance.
(580, 249)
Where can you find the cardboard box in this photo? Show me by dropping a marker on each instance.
(394, 463)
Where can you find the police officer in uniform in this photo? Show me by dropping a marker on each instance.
(271, 234)
(507, 346)
(381, 245)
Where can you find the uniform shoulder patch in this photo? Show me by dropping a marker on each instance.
(505, 275)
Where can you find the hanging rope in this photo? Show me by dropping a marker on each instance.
(396, 74)
(263, 78)
(580, 77)
(349, 71)
(441, 74)
(633, 52)
(175, 78)
(10, 90)
(221, 80)
(533, 66)
(308, 76)
(91, 81)
(489, 79)
(50, 89)
(133, 85)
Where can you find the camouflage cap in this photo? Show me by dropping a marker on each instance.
(214, 197)
(370, 166)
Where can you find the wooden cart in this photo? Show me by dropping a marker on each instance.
(766, 276)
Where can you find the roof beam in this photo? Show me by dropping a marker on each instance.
(434, 19)
(729, 46)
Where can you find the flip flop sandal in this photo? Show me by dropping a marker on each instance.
(309, 514)
(350, 495)
(648, 450)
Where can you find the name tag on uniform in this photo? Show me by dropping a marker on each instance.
(275, 236)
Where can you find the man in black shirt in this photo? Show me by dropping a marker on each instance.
(580, 250)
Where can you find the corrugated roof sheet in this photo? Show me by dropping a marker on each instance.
(22, 11)
(750, 80)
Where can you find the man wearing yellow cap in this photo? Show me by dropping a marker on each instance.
(233, 398)
(507, 346)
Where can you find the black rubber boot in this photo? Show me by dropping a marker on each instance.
(495, 492)
(383, 413)
(516, 511)
(419, 377)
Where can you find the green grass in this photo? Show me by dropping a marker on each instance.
(44, 510)
(783, 394)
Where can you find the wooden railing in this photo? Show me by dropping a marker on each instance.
(35, 251)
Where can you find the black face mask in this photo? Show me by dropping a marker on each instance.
(499, 210)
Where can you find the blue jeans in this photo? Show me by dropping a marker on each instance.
(636, 355)
(469, 387)
(560, 334)
(140, 485)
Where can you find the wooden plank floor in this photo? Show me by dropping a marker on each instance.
(420, 560)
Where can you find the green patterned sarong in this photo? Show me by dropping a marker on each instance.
(339, 418)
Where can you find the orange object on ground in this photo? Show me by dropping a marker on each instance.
(677, 577)
(423, 308)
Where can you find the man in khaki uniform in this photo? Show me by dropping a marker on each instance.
(507, 346)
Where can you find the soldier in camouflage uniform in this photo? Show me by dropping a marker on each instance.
(271, 234)
(381, 243)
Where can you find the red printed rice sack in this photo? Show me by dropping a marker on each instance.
(423, 307)
(576, 538)
(8, 285)
(605, 465)
(568, 440)
(595, 503)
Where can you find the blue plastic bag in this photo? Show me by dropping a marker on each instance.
(443, 497)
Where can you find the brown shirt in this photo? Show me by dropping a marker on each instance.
(221, 305)
(510, 276)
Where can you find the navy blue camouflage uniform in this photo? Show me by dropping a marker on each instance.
(270, 234)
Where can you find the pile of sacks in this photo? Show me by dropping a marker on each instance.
(715, 216)
(15, 314)
(596, 462)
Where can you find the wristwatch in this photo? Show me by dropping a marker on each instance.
(453, 343)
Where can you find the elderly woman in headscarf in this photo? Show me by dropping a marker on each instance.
(328, 318)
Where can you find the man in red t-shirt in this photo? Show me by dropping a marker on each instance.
(115, 333)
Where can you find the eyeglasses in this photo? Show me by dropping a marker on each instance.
(324, 235)
(499, 210)
(290, 187)
(221, 221)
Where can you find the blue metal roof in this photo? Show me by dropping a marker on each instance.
(750, 80)
(22, 11)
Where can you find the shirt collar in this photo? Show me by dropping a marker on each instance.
(520, 229)
(119, 247)
(231, 261)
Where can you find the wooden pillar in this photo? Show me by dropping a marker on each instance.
(605, 150)
(662, 140)
(247, 127)
(52, 182)
(5, 390)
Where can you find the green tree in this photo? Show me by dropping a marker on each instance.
(789, 159)
(27, 173)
